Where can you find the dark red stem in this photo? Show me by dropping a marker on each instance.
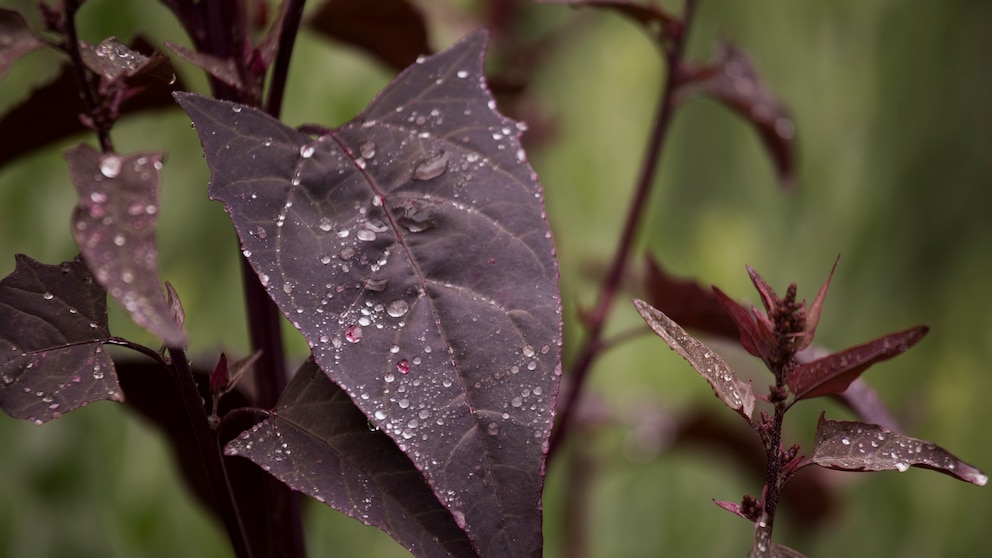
(635, 213)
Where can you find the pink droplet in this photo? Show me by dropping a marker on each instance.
(353, 333)
(403, 366)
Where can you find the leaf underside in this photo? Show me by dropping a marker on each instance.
(319, 443)
(18, 39)
(734, 392)
(53, 322)
(114, 226)
(410, 248)
(859, 446)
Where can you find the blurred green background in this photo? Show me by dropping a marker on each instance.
(893, 104)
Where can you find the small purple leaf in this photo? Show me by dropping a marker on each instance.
(735, 82)
(813, 314)
(755, 338)
(859, 446)
(410, 248)
(224, 70)
(114, 226)
(833, 373)
(112, 61)
(768, 297)
(728, 387)
(53, 323)
(319, 443)
(732, 507)
(688, 303)
(16, 39)
(394, 31)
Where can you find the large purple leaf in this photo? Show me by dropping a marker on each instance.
(859, 446)
(318, 442)
(114, 225)
(833, 373)
(730, 389)
(410, 248)
(16, 39)
(53, 323)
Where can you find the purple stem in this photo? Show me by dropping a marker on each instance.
(593, 345)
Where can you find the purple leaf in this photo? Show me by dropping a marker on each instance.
(813, 314)
(319, 443)
(734, 81)
(756, 339)
(859, 446)
(16, 39)
(394, 31)
(688, 303)
(224, 70)
(53, 323)
(833, 373)
(410, 248)
(728, 387)
(113, 61)
(732, 507)
(114, 225)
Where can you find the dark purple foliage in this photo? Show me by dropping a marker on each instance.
(410, 249)
(734, 392)
(53, 324)
(392, 31)
(833, 373)
(114, 226)
(858, 446)
(18, 39)
(319, 443)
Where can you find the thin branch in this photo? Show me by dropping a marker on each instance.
(89, 94)
(663, 119)
(280, 69)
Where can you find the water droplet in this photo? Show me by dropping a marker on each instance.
(902, 467)
(492, 429)
(353, 334)
(346, 253)
(325, 224)
(236, 108)
(376, 285)
(287, 288)
(403, 366)
(404, 403)
(119, 240)
(528, 351)
(517, 401)
(367, 149)
(110, 166)
(431, 168)
(306, 151)
(462, 74)
(365, 235)
(325, 259)
(261, 233)
(48, 296)
(845, 441)
(380, 415)
(397, 308)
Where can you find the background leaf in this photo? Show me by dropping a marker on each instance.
(16, 39)
(318, 442)
(114, 225)
(410, 248)
(53, 323)
(728, 387)
(393, 31)
(858, 446)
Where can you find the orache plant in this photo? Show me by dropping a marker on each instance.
(781, 337)
(411, 249)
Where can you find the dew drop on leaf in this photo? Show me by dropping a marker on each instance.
(365, 235)
(110, 166)
(367, 149)
(431, 168)
(403, 366)
(353, 334)
(397, 308)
